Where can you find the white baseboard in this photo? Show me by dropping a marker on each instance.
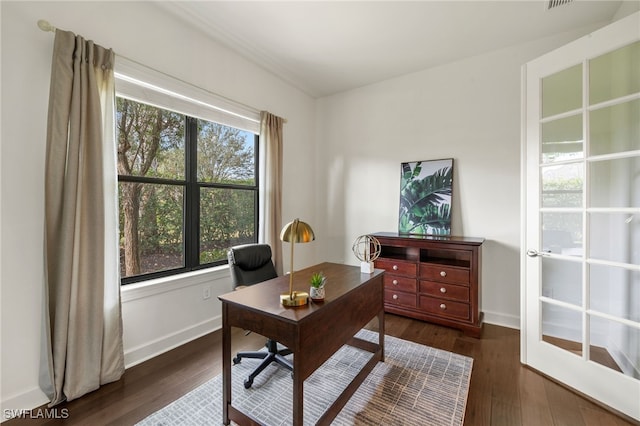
(29, 400)
(135, 356)
(495, 318)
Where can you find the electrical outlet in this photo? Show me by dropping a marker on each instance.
(206, 293)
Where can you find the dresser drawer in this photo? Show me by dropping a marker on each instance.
(399, 298)
(399, 283)
(397, 266)
(445, 291)
(444, 274)
(444, 307)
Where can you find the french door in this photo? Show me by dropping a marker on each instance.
(581, 215)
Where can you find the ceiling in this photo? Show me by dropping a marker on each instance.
(326, 47)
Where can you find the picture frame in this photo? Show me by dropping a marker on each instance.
(426, 189)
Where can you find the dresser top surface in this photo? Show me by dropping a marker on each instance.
(442, 238)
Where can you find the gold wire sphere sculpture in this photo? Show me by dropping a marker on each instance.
(366, 248)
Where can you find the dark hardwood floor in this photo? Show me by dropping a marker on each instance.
(502, 391)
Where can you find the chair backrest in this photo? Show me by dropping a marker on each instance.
(250, 264)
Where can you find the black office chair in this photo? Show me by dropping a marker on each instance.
(250, 264)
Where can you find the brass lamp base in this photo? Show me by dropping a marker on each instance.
(299, 298)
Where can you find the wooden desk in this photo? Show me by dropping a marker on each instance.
(314, 332)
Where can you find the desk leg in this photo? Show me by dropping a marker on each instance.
(226, 365)
(298, 392)
(381, 333)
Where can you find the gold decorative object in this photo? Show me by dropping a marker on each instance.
(367, 249)
(295, 232)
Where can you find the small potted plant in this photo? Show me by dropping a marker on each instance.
(317, 282)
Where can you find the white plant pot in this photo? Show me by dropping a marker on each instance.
(316, 293)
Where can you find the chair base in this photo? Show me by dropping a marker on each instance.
(271, 355)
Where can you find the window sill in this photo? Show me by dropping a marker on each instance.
(157, 286)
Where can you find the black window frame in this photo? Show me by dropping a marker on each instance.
(191, 207)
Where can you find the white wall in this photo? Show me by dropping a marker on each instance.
(155, 317)
(467, 110)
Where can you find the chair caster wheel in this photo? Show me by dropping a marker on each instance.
(248, 383)
(236, 360)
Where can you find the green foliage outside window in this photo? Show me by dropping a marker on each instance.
(157, 189)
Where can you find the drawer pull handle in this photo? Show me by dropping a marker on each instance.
(395, 282)
(443, 290)
(395, 297)
(395, 267)
(443, 306)
(443, 274)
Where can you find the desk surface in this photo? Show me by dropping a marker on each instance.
(265, 297)
(313, 332)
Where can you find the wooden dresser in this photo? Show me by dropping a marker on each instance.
(433, 278)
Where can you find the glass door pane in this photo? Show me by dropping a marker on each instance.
(562, 91)
(615, 128)
(615, 74)
(562, 139)
(562, 327)
(615, 183)
(562, 233)
(562, 281)
(615, 345)
(562, 185)
(615, 237)
(615, 291)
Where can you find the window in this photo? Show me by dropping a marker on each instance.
(187, 187)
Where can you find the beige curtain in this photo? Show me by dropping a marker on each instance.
(271, 129)
(82, 315)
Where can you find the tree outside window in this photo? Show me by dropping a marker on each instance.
(187, 190)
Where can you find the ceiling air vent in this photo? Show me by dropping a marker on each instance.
(557, 3)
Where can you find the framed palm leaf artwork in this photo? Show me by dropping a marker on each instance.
(425, 197)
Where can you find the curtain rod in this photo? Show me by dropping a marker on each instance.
(44, 25)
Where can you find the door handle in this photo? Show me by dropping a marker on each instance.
(536, 253)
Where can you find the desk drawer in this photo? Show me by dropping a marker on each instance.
(444, 274)
(397, 266)
(444, 308)
(445, 291)
(399, 283)
(399, 298)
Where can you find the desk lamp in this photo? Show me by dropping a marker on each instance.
(295, 232)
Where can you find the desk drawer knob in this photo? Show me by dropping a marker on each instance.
(443, 274)
(443, 306)
(395, 282)
(443, 290)
(395, 267)
(395, 297)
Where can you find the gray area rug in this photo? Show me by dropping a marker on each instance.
(416, 385)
